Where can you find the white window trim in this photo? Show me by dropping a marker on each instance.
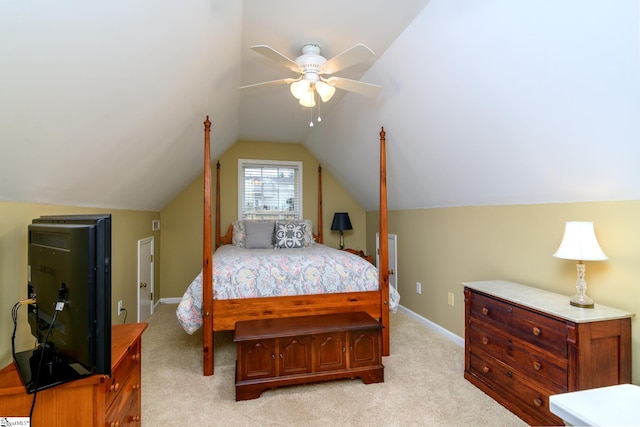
(243, 162)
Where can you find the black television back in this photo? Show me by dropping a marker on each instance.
(70, 263)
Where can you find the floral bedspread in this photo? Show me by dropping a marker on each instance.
(251, 273)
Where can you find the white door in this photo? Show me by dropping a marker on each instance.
(393, 258)
(145, 278)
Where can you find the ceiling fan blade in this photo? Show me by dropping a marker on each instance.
(351, 56)
(270, 83)
(274, 55)
(356, 86)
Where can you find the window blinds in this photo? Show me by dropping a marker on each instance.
(270, 191)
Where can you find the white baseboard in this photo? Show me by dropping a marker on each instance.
(434, 326)
(175, 300)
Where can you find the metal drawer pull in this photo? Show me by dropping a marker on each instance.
(537, 401)
(485, 340)
(485, 311)
(486, 369)
(273, 356)
(536, 331)
(537, 366)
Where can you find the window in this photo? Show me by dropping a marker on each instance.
(269, 189)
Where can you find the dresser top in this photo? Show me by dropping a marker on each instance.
(546, 301)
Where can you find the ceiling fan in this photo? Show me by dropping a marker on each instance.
(312, 68)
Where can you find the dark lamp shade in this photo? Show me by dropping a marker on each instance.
(341, 222)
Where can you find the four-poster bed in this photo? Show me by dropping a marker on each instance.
(222, 314)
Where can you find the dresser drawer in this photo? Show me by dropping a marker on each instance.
(128, 368)
(530, 361)
(124, 409)
(514, 385)
(544, 332)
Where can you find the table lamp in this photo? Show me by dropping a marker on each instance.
(579, 243)
(340, 223)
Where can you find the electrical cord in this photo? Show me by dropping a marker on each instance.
(14, 317)
(59, 307)
(125, 314)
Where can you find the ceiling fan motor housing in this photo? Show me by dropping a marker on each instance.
(311, 62)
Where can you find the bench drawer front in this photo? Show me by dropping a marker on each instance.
(256, 359)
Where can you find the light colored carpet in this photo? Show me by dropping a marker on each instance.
(424, 385)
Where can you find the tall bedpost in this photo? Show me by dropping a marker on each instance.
(218, 237)
(207, 252)
(383, 268)
(320, 232)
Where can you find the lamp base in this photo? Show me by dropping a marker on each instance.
(582, 301)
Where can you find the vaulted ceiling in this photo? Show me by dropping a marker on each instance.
(483, 101)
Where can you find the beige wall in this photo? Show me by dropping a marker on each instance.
(127, 228)
(182, 217)
(443, 247)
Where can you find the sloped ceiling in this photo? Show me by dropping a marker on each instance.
(483, 101)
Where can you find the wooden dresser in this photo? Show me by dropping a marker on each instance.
(298, 350)
(524, 344)
(97, 400)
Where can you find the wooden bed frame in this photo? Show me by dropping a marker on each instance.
(222, 315)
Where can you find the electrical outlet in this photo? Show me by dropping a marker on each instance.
(119, 307)
(418, 287)
(450, 298)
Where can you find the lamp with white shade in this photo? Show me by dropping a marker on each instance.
(579, 243)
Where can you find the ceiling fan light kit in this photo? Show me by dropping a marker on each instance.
(311, 66)
(308, 99)
(325, 90)
(299, 88)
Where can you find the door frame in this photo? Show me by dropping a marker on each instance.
(141, 242)
(393, 260)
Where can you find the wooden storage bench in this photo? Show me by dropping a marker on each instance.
(298, 350)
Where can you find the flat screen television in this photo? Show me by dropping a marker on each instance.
(69, 275)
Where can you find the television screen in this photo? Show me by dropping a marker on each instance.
(69, 275)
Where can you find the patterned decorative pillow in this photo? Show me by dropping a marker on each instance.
(239, 235)
(290, 234)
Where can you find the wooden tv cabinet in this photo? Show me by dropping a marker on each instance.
(97, 400)
(524, 344)
(298, 350)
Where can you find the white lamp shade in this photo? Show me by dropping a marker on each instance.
(325, 91)
(308, 99)
(300, 88)
(579, 243)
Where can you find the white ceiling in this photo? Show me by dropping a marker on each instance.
(483, 101)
